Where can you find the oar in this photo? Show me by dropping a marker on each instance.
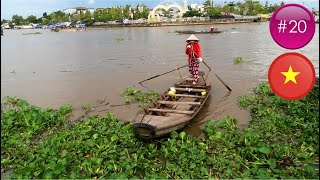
(163, 74)
(213, 72)
(217, 76)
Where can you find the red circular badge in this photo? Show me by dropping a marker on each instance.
(291, 76)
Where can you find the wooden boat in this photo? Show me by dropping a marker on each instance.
(199, 32)
(171, 112)
(68, 29)
(55, 29)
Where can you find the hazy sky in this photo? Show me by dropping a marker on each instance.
(37, 7)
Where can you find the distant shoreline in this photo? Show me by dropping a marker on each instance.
(172, 24)
(164, 24)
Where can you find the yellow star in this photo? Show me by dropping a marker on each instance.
(290, 75)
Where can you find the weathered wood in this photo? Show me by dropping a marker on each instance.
(185, 95)
(192, 86)
(190, 89)
(170, 111)
(175, 112)
(177, 103)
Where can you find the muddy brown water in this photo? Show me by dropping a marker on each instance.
(55, 68)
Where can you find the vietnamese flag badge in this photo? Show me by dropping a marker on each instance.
(291, 76)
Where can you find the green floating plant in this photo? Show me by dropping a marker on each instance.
(133, 95)
(238, 60)
(86, 107)
(119, 39)
(280, 142)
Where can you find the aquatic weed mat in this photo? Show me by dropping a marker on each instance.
(281, 142)
(24, 125)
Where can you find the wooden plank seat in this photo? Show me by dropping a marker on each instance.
(191, 86)
(170, 111)
(190, 89)
(189, 79)
(185, 95)
(178, 103)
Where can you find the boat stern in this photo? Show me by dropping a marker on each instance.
(144, 131)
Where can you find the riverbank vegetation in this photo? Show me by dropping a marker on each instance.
(247, 7)
(134, 95)
(282, 141)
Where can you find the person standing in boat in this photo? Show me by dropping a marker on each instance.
(211, 29)
(194, 57)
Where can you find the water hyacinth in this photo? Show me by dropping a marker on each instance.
(281, 142)
(238, 60)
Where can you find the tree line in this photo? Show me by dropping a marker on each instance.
(247, 7)
(99, 15)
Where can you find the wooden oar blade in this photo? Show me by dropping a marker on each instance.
(162, 74)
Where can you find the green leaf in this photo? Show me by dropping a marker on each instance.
(114, 138)
(272, 163)
(64, 153)
(4, 161)
(263, 173)
(47, 175)
(204, 170)
(192, 166)
(90, 143)
(174, 134)
(182, 135)
(298, 163)
(36, 173)
(265, 150)
(202, 145)
(95, 136)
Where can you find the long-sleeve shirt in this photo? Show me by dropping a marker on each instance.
(196, 48)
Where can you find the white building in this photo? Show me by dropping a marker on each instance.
(5, 26)
(194, 6)
(27, 26)
(197, 7)
(77, 10)
(315, 13)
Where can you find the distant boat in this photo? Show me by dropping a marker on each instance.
(199, 32)
(316, 19)
(26, 27)
(57, 29)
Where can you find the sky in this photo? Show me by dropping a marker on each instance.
(38, 7)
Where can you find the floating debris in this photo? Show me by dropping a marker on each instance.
(32, 33)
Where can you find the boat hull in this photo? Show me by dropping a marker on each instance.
(171, 112)
(67, 29)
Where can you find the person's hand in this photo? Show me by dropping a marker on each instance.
(189, 46)
(200, 59)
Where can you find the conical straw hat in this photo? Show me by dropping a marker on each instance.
(192, 38)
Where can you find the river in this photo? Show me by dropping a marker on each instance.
(55, 68)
